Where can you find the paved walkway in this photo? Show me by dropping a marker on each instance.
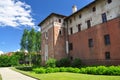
(8, 74)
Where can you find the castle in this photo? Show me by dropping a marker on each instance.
(91, 34)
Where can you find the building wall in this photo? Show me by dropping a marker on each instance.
(56, 44)
(52, 43)
(112, 10)
(96, 54)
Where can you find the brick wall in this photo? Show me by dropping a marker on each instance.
(96, 54)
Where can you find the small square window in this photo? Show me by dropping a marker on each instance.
(46, 35)
(59, 20)
(71, 30)
(107, 55)
(70, 46)
(80, 16)
(107, 39)
(109, 1)
(60, 32)
(104, 17)
(88, 23)
(79, 27)
(90, 41)
(94, 9)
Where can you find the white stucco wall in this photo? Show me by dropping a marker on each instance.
(112, 10)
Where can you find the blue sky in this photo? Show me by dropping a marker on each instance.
(16, 15)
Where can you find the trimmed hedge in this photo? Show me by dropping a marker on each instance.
(25, 68)
(99, 70)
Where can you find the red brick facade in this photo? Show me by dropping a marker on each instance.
(55, 42)
(96, 54)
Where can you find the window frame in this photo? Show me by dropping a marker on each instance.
(94, 9)
(109, 1)
(79, 27)
(107, 55)
(70, 46)
(107, 39)
(90, 43)
(60, 21)
(104, 17)
(71, 30)
(88, 24)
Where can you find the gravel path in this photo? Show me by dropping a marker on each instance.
(8, 74)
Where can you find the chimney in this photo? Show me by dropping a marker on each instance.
(74, 9)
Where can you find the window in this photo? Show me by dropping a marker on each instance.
(109, 1)
(46, 35)
(79, 27)
(70, 46)
(80, 16)
(71, 30)
(60, 32)
(107, 55)
(59, 20)
(88, 23)
(104, 17)
(94, 9)
(90, 43)
(107, 39)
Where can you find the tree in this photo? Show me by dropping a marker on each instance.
(24, 40)
(31, 41)
(38, 42)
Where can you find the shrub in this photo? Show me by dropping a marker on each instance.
(39, 70)
(101, 70)
(76, 63)
(63, 69)
(70, 69)
(51, 63)
(76, 70)
(25, 68)
(64, 62)
(49, 70)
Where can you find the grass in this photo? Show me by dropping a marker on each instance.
(0, 77)
(68, 76)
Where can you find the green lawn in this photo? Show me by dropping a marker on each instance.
(69, 76)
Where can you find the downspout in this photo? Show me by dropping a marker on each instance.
(53, 42)
(67, 39)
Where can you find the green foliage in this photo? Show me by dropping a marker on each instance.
(36, 59)
(64, 62)
(24, 68)
(6, 61)
(39, 70)
(31, 41)
(14, 60)
(24, 40)
(63, 69)
(99, 70)
(51, 63)
(38, 42)
(76, 63)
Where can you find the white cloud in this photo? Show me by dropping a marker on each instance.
(1, 52)
(15, 13)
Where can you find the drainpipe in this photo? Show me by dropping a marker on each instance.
(67, 40)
